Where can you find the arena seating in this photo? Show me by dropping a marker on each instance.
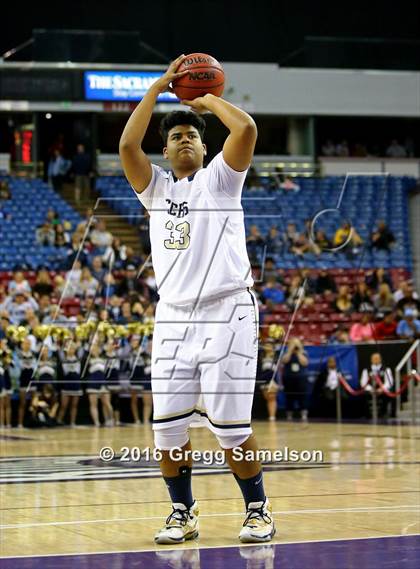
(31, 199)
(364, 201)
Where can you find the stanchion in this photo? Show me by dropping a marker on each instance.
(338, 402)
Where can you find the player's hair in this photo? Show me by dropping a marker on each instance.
(181, 117)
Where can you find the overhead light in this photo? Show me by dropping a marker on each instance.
(48, 115)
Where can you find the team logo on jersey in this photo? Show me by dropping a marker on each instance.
(178, 210)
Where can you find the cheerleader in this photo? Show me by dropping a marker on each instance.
(71, 386)
(97, 364)
(47, 369)
(112, 377)
(27, 363)
(5, 387)
(4, 362)
(140, 379)
(266, 368)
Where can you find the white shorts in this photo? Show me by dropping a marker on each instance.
(204, 364)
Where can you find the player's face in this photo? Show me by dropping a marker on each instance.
(184, 147)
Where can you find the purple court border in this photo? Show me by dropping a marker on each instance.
(402, 552)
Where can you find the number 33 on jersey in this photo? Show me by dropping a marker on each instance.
(197, 232)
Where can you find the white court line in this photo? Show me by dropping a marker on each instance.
(404, 508)
(199, 547)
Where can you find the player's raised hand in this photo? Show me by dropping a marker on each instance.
(198, 105)
(163, 83)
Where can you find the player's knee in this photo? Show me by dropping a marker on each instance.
(175, 437)
(232, 441)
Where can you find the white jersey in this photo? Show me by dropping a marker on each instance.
(197, 233)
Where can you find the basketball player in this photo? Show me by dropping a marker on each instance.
(204, 349)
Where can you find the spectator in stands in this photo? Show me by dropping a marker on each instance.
(409, 327)
(298, 293)
(45, 235)
(276, 179)
(114, 307)
(89, 220)
(59, 285)
(364, 330)
(396, 150)
(272, 293)
(97, 269)
(328, 149)
(255, 243)
(87, 284)
(342, 149)
(130, 283)
(144, 235)
(346, 237)
(322, 240)
(384, 299)
(382, 238)
(77, 251)
(294, 378)
(58, 167)
(18, 284)
(62, 237)
(5, 193)
(126, 316)
(252, 181)
(325, 283)
(149, 292)
(132, 258)
(310, 279)
(270, 270)
(82, 170)
(53, 217)
(289, 185)
(409, 299)
(115, 254)
(43, 285)
(362, 299)
(343, 303)
(274, 241)
(100, 236)
(290, 236)
(88, 308)
(44, 307)
(378, 277)
(72, 278)
(386, 329)
(17, 305)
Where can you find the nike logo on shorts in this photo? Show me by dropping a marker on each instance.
(242, 317)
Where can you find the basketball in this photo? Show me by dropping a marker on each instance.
(205, 75)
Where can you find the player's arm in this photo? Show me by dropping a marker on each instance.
(136, 164)
(238, 148)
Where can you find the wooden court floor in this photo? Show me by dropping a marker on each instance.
(58, 497)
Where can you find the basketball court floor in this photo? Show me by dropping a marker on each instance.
(62, 506)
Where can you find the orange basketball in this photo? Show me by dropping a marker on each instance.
(205, 75)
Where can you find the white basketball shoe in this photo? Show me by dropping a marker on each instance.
(259, 524)
(181, 525)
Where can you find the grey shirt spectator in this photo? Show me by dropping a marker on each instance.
(17, 305)
(45, 235)
(396, 150)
